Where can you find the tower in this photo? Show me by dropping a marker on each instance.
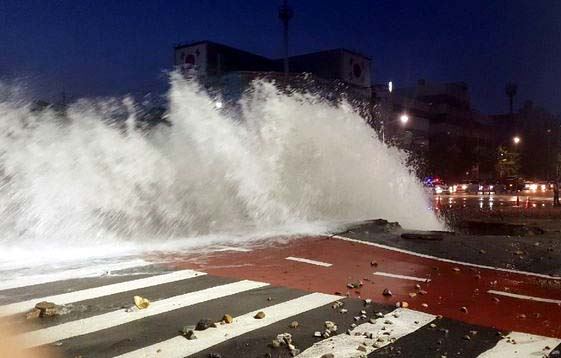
(285, 14)
(511, 89)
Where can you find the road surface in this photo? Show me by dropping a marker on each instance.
(458, 303)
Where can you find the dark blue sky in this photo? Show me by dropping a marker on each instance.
(106, 47)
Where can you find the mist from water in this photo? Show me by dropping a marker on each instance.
(85, 183)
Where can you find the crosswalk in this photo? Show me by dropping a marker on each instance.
(100, 321)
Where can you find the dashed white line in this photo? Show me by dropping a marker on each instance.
(443, 259)
(403, 277)
(527, 345)
(115, 318)
(181, 347)
(403, 322)
(231, 248)
(90, 271)
(524, 297)
(101, 291)
(308, 261)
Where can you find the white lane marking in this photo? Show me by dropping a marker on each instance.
(412, 278)
(527, 345)
(524, 297)
(95, 292)
(344, 345)
(443, 259)
(308, 261)
(116, 318)
(231, 248)
(90, 271)
(181, 347)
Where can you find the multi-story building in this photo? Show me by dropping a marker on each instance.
(454, 140)
(229, 71)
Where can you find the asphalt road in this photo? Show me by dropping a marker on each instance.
(461, 301)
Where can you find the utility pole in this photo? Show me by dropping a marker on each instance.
(511, 89)
(285, 14)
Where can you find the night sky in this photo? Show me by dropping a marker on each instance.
(112, 47)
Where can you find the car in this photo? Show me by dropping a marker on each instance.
(468, 187)
(486, 188)
(436, 186)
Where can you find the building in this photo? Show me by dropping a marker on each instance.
(335, 73)
(443, 131)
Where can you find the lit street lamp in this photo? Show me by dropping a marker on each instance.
(516, 141)
(404, 118)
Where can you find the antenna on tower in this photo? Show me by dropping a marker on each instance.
(285, 14)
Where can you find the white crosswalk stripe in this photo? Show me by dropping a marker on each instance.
(394, 325)
(181, 347)
(115, 318)
(97, 270)
(519, 345)
(96, 292)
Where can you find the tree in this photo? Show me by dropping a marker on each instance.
(508, 162)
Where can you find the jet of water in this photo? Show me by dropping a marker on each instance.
(283, 162)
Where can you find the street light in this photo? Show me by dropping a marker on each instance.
(516, 141)
(404, 118)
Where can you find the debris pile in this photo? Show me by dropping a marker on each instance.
(44, 309)
(285, 339)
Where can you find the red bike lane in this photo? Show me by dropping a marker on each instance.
(362, 270)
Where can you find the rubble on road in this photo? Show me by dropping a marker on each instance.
(188, 333)
(34, 313)
(330, 326)
(141, 302)
(259, 315)
(44, 309)
(387, 292)
(203, 324)
(227, 319)
(294, 324)
(337, 304)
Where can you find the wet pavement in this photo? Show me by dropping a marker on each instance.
(465, 295)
